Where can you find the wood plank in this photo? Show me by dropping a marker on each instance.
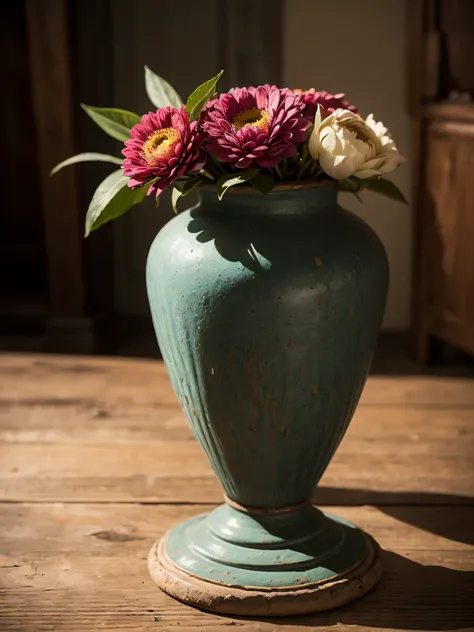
(177, 471)
(374, 427)
(82, 568)
(69, 418)
(41, 379)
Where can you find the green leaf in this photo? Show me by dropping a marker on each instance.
(232, 180)
(183, 190)
(114, 122)
(160, 92)
(384, 187)
(175, 195)
(111, 199)
(262, 182)
(349, 184)
(90, 156)
(198, 99)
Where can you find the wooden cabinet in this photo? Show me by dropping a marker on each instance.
(447, 238)
(441, 101)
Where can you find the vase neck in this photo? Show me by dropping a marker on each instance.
(280, 202)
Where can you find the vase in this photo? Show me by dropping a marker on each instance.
(267, 310)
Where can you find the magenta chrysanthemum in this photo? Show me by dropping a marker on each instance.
(164, 145)
(330, 102)
(255, 126)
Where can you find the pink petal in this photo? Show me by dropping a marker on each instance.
(266, 162)
(243, 163)
(261, 98)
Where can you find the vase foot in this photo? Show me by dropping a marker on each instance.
(265, 564)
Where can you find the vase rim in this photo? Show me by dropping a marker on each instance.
(293, 185)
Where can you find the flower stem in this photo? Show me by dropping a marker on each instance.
(279, 174)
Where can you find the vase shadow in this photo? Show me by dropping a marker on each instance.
(410, 596)
(415, 508)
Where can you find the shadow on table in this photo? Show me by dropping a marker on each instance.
(410, 596)
(410, 507)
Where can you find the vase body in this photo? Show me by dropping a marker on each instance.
(267, 310)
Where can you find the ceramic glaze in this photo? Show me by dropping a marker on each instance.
(267, 310)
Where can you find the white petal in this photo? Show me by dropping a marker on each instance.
(367, 173)
(378, 127)
(392, 160)
(329, 141)
(375, 163)
(338, 167)
(313, 144)
(341, 116)
(387, 143)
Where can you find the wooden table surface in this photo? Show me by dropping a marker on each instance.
(97, 462)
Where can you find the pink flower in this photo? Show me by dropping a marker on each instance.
(328, 102)
(164, 145)
(255, 126)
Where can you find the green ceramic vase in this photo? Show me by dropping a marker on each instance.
(267, 310)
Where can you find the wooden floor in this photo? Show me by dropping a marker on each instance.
(96, 462)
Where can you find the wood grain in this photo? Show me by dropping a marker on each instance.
(30, 378)
(83, 567)
(107, 430)
(450, 201)
(422, 428)
(97, 462)
(178, 471)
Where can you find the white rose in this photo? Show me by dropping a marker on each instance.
(346, 145)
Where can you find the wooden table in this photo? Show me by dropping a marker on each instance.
(97, 462)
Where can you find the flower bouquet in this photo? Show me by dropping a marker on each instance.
(260, 136)
(267, 309)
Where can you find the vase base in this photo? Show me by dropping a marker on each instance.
(337, 586)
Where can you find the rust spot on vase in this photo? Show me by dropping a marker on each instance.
(314, 390)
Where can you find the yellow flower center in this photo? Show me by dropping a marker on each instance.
(254, 117)
(160, 144)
